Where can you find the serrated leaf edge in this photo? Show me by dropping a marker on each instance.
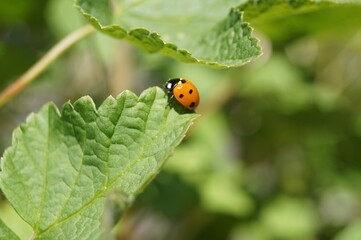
(166, 45)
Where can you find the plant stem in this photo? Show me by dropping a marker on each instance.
(44, 63)
(32, 236)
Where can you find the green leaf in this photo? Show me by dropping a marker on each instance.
(221, 193)
(14, 221)
(351, 232)
(6, 233)
(284, 20)
(186, 30)
(61, 166)
(290, 218)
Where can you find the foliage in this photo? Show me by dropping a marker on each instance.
(184, 30)
(6, 233)
(74, 159)
(276, 17)
(274, 155)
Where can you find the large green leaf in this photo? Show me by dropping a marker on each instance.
(6, 233)
(191, 31)
(61, 166)
(284, 20)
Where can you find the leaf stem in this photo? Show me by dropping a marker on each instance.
(44, 63)
(32, 237)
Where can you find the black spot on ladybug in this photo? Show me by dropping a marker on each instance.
(192, 104)
(190, 91)
(181, 95)
(183, 81)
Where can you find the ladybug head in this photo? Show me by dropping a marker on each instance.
(170, 84)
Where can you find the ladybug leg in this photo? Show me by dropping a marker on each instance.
(169, 100)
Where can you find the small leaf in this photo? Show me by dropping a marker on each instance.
(186, 30)
(290, 218)
(61, 166)
(351, 232)
(284, 20)
(6, 233)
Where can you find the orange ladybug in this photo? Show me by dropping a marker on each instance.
(184, 91)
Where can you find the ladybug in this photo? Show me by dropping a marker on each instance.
(184, 91)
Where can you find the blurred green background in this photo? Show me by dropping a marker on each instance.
(276, 154)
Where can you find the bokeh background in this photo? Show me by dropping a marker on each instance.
(276, 154)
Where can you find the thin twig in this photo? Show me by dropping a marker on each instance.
(44, 63)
